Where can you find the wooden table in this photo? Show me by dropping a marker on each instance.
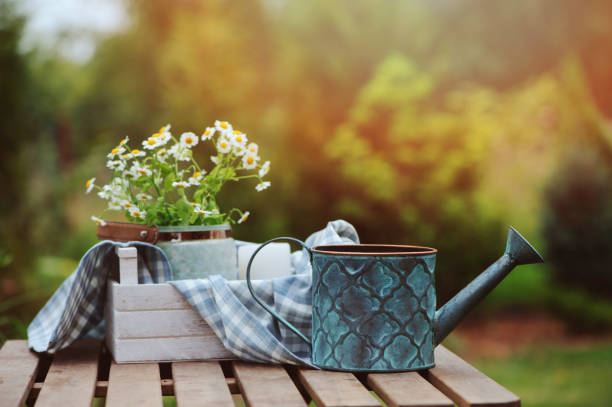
(84, 371)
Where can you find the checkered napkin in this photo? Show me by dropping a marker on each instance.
(77, 308)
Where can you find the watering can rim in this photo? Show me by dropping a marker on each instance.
(374, 249)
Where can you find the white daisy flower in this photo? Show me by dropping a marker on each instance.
(125, 204)
(151, 143)
(239, 138)
(165, 129)
(239, 150)
(137, 212)
(99, 222)
(223, 127)
(180, 153)
(253, 148)
(262, 185)
(181, 184)
(244, 217)
(162, 155)
(189, 139)
(126, 156)
(90, 185)
(116, 165)
(125, 140)
(198, 209)
(117, 151)
(138, 171)
(104, 195)
(143, 197)
(208, 133)
(223, 146)
(137, 153)
(249, 161)
(196, 178)
(265, 169)
(114, 206)
(214, 159)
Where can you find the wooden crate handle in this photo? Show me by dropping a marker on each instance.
(128, 265)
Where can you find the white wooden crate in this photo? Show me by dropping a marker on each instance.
(153, 322)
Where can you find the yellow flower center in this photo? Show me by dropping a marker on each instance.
(97, 221)
(88, 183)
(151, 141)
(250, 160)
(196, 174)
(136, 213)
(237, 132)
(127, 205)
(135, 151)
(122, 142)
(267, 170)
(239, 139)
(223, 144)
(223, 124)
(142, 172)
(207, 132)
(155, 135)
(114, 150)
(188, 140)
(161, 129)
(125, 155)
(181, 185)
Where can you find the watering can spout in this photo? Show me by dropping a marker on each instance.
(518, 251)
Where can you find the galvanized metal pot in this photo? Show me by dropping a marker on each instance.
(374, 306)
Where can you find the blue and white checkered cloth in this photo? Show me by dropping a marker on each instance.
(77, 308)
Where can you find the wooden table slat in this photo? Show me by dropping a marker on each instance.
(336, 389)
(18, 367)
(407, 389)
(134, 385)
(71, 380)
(465, 384)
(200, 384)
(266, 386)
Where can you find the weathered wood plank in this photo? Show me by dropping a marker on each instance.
(71, 380)
(18, 368)
(159, 323)
(200, 384)
(266, 386)
(147, 297)
(335, 389)
(134, 385)
(466, 385)
(168, 349)
(407, 389)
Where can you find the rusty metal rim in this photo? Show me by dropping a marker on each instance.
(370, 250)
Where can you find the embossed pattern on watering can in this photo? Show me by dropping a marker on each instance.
(373, 313)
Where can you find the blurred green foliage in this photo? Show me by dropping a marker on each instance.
(434, 123)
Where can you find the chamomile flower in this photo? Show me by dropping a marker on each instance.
(143, 197)
(214, 159)
(180, 152)
(198, 209)
(138, 170)
(137, 212)
(239, 150)
(99, 222)
(189, 139)
(223, 145)
(196, 178)
(244, 217)
(223, 127)
(152, 143)
(126, 156)
(125, 204)
(116, 165)
(249, 161)
(137, 153)
(253, 148)
(208, 133)
(162, 155)
(181, 184)
(262, 185)
(104, 194)
(265, 169)
(239, 138)
(89, 185)
(117, 151)
(125, 140)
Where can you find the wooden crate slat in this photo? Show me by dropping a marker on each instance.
(159, 323)
(134, 385)
(139, 297)
(71, 380)
(266, 386)
(407, 389)
(18, 367)
(466, 385)
(336, 389)
(200, 384)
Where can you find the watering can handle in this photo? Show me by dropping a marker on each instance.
(270, 310)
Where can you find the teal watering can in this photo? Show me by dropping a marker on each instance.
(374, 306)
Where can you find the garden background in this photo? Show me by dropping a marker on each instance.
(435, 123)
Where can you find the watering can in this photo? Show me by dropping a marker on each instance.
(374, 305)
